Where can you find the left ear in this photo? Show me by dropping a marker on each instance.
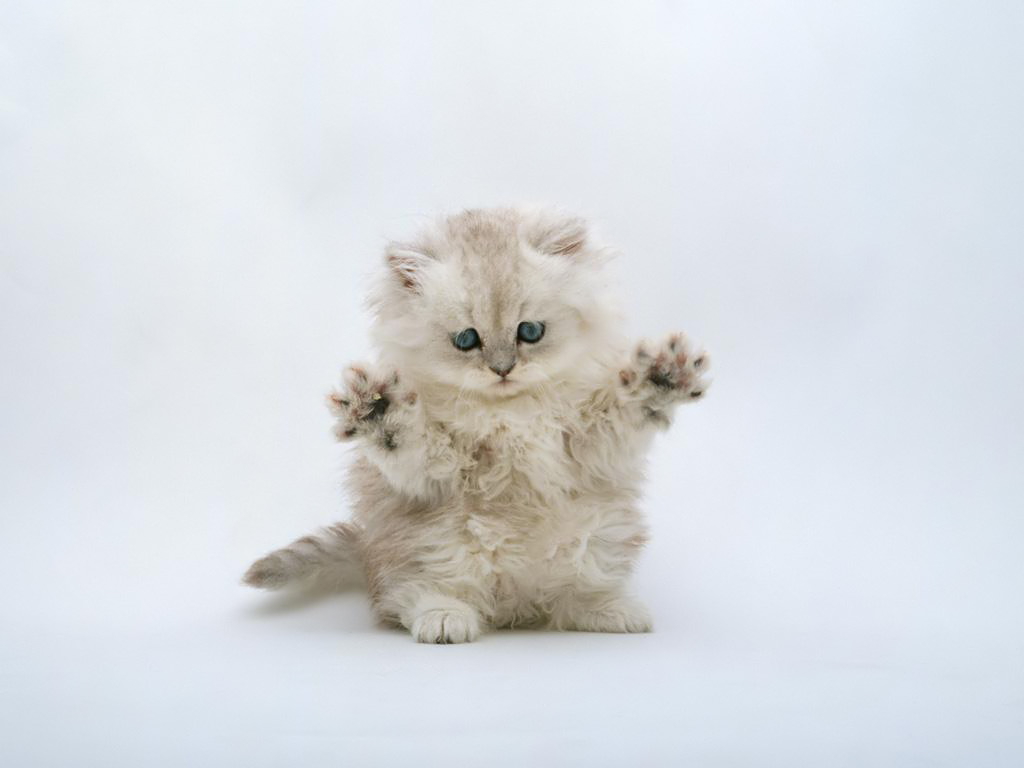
(557, 235)
(407, 264)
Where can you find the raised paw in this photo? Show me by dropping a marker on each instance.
(370, 402)
(669, 371)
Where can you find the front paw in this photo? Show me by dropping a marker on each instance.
(444, 626)
(666, 372)
(370, 403)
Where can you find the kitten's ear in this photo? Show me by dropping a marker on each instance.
(407, 263)
(557, 235)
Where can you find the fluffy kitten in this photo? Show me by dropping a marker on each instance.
(500, 438)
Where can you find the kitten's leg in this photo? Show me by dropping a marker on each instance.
(437, 618)
(374, 408)
(610, 611)
(659, 377)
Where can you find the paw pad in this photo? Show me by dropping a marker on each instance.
(365, 398)
(671, 369)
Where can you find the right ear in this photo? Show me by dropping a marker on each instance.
(407, 263)
(556, 234)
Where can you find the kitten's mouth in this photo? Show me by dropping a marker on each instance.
(507, 386)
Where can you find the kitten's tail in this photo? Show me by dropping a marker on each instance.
(329, 560)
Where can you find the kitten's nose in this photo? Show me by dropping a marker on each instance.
(502, 369)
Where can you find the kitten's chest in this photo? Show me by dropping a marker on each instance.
(515, 461)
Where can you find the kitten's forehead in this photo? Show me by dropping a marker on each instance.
(485, 233)
(485, 246)
(495, 295)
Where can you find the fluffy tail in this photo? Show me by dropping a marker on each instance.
(329, 560)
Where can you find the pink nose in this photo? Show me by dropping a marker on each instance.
(502, 370)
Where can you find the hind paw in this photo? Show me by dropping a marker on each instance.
(618, 614)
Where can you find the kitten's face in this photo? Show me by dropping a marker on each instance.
(497, 330)
(494, 303)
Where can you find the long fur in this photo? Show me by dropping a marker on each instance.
(483, 500)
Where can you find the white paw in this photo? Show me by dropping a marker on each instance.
(446, 625)
(633, 619)
(622, 615)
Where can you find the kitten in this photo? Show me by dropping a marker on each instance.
(500, 439)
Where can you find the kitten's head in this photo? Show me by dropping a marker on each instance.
(495, 302)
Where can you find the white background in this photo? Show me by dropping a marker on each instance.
(828, 195)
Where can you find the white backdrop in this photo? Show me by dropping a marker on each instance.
(828, 195)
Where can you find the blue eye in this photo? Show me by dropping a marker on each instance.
(466, 340)
(530, 332)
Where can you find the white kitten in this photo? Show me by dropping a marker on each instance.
(500, 439)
